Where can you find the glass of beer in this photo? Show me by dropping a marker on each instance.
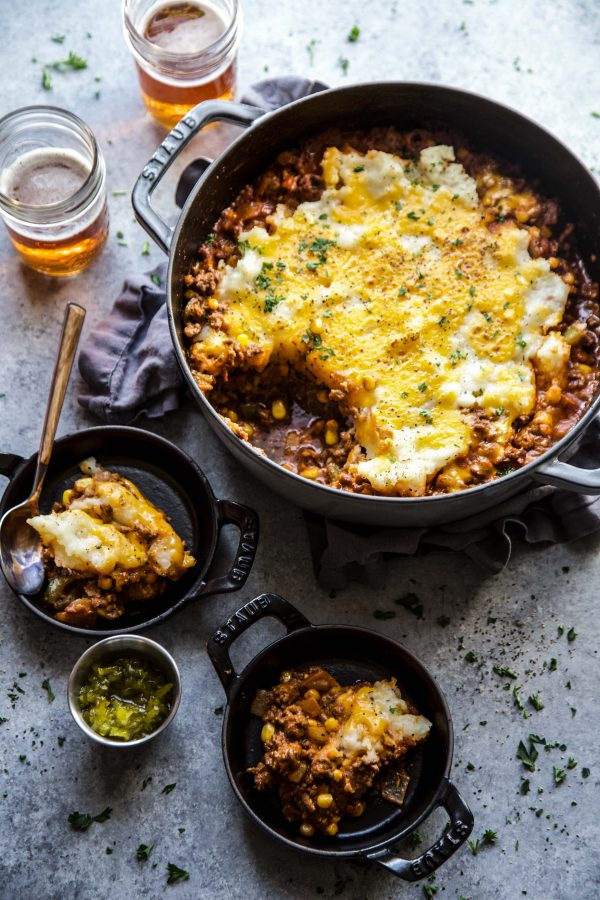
(52, 189)
(184, 52)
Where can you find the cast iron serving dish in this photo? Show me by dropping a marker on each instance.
(489, 126)
(351, 655)
(174, 483)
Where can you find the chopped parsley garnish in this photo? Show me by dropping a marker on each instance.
(48, 689)
(571, 635)
(527, 756)
(487, 838)
(412, 603)
(243, 247)
(359, 168)
(146, 782)
(470, 657)
(155, 278)
(218, 710)
(412, 215)
(430, 890)
(262, 281)
(353, 34)
(422, 387)
(536, 702)
(402, 291)
(458, 273)
(398, 204)
(82, 821)
(210, 238)
(310, 49)
(272, 300)
(168, 788)
(60, 740)
(525, 786)
(585, 772)
(500, 411)
(487, 316)
(558, 774)
(572, 763)
(343, 63)
(73, 62)
(58, 38)
(146, 248)
(426, 415)
(520, 341)
(435, 187)
(458, 242)
(442, 322)
(143, 852)
(176, 874)
(505, 672)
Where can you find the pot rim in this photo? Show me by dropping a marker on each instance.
(130, 629)
(245, 447)
(238, 685)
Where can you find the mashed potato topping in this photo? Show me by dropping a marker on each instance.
(392, 289)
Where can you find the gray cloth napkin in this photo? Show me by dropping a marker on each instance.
(130, 369)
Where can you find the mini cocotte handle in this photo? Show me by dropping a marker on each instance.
(262, 606)
(461, 826)
(168, 151)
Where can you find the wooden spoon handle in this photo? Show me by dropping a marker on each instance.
(69, 339)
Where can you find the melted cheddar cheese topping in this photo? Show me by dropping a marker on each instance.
(392, 289)
(112, 526)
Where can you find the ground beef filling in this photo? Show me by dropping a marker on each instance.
(305, 427)
(318, 785)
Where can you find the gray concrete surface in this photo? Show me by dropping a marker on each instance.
(541, 58)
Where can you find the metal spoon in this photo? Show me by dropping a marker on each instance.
(20, 544)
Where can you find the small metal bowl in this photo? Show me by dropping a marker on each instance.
(107, 649)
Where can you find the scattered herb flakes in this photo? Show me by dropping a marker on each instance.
(384, 614)
(146, 782)
(430, 890)
(572, 763)
(61, 740)
(58, 38)
(3, 719)
(210, 238)
(470, 767)
(120, 235)
(146, 248)
(119, 193)
(518, 702)
(536, 702)
(487, 839)
(168, 788)
(46, 686)
(525, 786)
(109, 850)
(412, 603)
(595, 115)
(571, 635)
(353, 34)
(505, 672)
(181, 830)
(585, 772)
(470, 657)
(82, 821)
(443, 621)
(553, 665)
(343, 63)
(155, 279)
(176, 874)
(310, 49)
(573, 710)
(46, 80)
(143, 852)
(527, 756)
(218, 710)
(558, 774)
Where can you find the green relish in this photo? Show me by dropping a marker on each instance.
(125, 699)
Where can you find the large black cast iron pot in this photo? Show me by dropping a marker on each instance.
(489, 126)
(350, 655)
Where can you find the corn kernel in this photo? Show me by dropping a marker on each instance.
(66, 497)
(331, 724)
(337, 774)
(105, 583)
(306, 830)
(278, 410)
(324, 801)
(312, 722)
(521, 215)
(249, 430)
(322, 396)
(332, 829)
(231, 414)
(267, 732)
(369, 383)
(584, 369)
(331, 437)
(213, 303)
(316, 326)
(332, 753)
(243, 340)
(312, 694)
(553, 394)
(553, 262)
(569, 278)
(358, 809)
(311, 472)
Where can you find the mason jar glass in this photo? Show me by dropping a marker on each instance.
(184, 52)
(52, 189)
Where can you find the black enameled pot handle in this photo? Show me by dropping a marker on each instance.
(163, 157)
(9, 463)
(262, 606)
(231, 513)
(461, 825)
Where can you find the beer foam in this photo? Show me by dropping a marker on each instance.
(187, 35)
(44, 176)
